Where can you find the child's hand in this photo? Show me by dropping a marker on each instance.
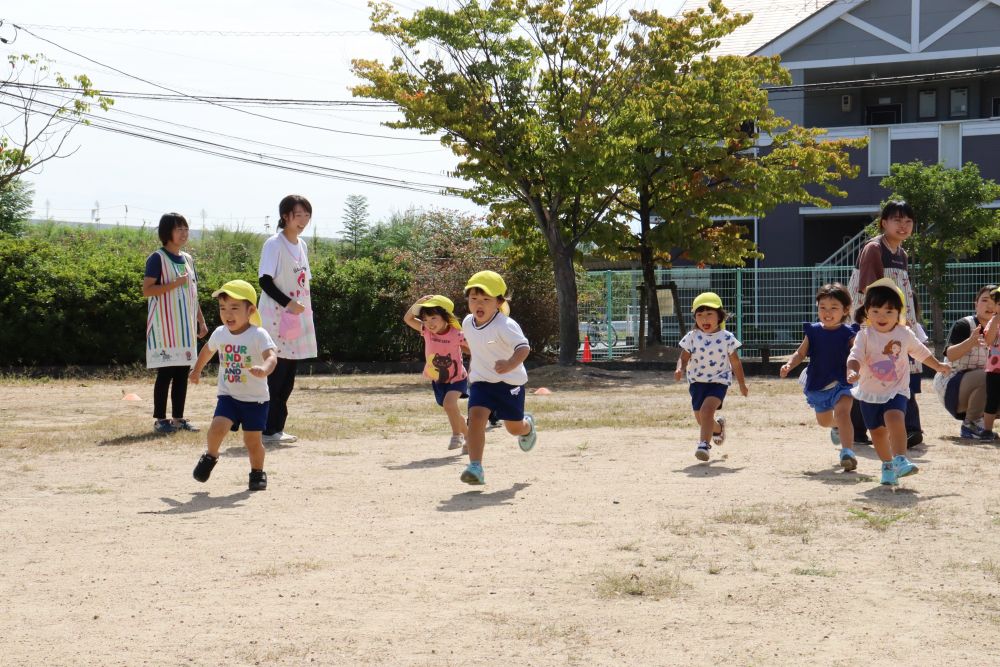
(946, 368)
(852, 377)
(678, 374)
(784, 370)
(258, 371)
(744, 389)
(504, 366)
(194, 377)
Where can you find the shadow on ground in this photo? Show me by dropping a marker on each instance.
(201, 501)
(473, 500)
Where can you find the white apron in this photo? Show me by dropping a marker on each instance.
(172, 318)
(294, 335)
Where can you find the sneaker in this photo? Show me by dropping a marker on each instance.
(973, 431)
(473, 474)
(902, 466)
(258, 480)
(914, 438)
(848, 461)
(527, 442)
(457, 440)
(280, 437)
(835, 435)
(164, 426)
(203, 470)
(720, 437)
(888, 474)
(860, 442)
(185, 425)
(465, 449)
(702, 452)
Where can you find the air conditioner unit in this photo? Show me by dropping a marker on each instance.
(845, 102)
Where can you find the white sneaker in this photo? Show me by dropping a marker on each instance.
(281, 438)
(720, 437)
(457, 440)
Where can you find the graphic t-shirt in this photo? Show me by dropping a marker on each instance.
(710, 356)
(885, 362)
(237, 354)
(444, 356)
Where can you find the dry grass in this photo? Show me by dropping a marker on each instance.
(651, 585)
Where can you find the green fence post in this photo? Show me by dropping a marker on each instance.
(608, 313)
(739, 305)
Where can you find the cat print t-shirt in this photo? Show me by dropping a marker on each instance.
(443, 353)
(885, 362)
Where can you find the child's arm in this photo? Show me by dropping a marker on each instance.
(797, 358)
(853, 371)
(939, 366)
(507, 365)
(266, 368)
(195, 375)
(682, 364)
(202, 326)
(991, 330)
(734, 361)
(412, 316)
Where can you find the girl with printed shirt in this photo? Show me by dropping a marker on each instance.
(434, 317)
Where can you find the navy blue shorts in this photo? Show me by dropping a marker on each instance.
(874, 413)
(506, 401)
(441, 389)
(702, 390)
(252, 416)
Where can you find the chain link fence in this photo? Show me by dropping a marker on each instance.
(766, 306)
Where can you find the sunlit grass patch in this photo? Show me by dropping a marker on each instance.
(877, 519)
(646, 584)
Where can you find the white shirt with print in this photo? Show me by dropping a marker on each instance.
(492, 342)
(237, 354)
(710, 352)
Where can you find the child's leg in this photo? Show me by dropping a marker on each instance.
(706, 417)
(992, 400)
(825, 419)
(254, 443)
(217, 433)
(521, 427)
(842, 419)
(476, 439)
(880, 440)
(451, 409)
(895, 424)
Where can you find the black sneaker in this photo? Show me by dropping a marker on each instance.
(914, 438)
(258, 480)
(203, 470)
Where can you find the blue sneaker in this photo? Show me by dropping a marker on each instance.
(164, 426)
(847, 460)
(835, 435)
(971, 431)
(888, 474)
(702, 452)
(903, 466)
(473, 474)
(527, 442)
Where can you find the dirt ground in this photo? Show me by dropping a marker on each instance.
(609, 544)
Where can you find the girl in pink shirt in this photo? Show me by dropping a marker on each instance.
(879, 364)
(434, 317)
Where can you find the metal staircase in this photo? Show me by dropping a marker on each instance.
(837, 267)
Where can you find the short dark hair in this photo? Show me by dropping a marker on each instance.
(894, 206)
(168, 223)
(721, 312)
(435, 310)
(835, 291)
(479, 290)
(987, 288)
(288, 204)
(876, 297)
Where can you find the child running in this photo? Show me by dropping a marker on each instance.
(496, 371)
(710, 360)
(879, 364)
(991, 334)
(434, 317)
(246, 357)
(827, 343)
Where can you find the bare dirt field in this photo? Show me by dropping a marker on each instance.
(609, 544)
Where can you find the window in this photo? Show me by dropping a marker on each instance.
(928, 104)
(878, 151)
(959, 102)
(883, 114)
(996, 107)
(950, 145)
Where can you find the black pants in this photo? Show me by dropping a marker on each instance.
(178, 375)
(992, 393)
(280, 384)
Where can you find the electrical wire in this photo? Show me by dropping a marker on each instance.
(199, 32)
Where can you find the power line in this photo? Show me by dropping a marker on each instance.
(199, 32)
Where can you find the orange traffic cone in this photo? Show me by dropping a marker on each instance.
(587, 358)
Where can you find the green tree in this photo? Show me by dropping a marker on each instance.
(43, 108)
(523, 91)
(952, 224)
(15, 206)
(355, 221)
(694, 125)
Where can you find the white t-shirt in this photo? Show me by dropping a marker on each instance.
(237, 354)
(710, 352)
(492, 342)
(269, 255)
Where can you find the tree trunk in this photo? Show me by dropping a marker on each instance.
(654, 335)
(937, 328)
(566, 295)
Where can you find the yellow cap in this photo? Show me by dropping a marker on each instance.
(710, 299)
(244, 291)
(441, 301)
(488, 281)
(888, 282)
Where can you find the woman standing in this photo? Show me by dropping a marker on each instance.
(286, 309)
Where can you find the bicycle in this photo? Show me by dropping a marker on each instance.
(600, 333)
